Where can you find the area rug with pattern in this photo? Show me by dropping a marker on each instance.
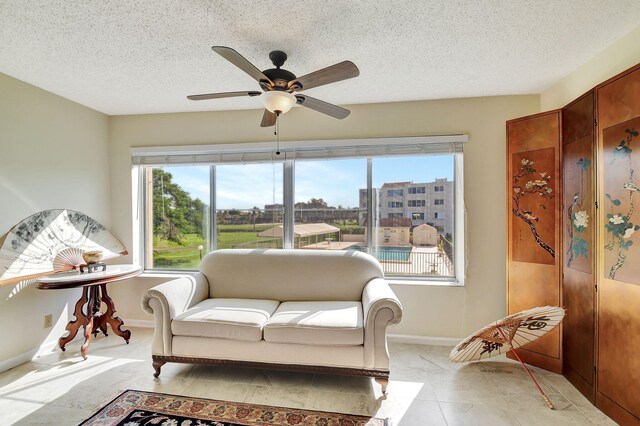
(138, 408)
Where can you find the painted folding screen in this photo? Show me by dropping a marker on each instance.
(534, 187)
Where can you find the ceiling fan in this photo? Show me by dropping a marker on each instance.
(279, 85)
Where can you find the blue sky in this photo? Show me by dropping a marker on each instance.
(335, 181)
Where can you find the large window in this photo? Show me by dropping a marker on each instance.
(178, 217)
(305, 201)
(429, 243)
(326, 209)
(249, 205)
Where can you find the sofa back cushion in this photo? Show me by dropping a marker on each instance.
(289, 275)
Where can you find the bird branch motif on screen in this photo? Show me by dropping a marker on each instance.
(526, 185)
(578, 218)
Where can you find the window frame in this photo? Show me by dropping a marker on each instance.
(139, 189)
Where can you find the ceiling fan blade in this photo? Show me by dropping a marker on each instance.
(241, 62)
(322, 106)
(268, 119)
(221, 95)
(338, 72)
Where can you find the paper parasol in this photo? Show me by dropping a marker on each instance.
(508, 334)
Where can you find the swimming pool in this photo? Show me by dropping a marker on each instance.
(387, 254)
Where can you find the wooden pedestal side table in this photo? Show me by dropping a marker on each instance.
(88, 308)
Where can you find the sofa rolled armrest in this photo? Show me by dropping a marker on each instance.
(169, 299)
(381, 308)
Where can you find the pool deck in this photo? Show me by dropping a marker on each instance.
(331, 245)
(420, 262)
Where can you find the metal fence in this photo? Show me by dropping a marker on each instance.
(419, 264)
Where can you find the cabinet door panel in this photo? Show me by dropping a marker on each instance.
(618, 362)
(578, 285)
(534, 197)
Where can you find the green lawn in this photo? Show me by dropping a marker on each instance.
(244, 227)
(188, 256)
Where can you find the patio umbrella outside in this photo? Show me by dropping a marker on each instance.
(508, 334)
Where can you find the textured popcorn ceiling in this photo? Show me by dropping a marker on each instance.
(127, 57)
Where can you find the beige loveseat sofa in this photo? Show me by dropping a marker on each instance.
(305, 310)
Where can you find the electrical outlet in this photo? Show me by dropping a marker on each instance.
(48, 321)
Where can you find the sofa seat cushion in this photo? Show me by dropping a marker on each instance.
(235, 319)
(336, 323)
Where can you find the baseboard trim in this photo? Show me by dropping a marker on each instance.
(139, 323)
(15, 361)
(30, 355)
(423, 340)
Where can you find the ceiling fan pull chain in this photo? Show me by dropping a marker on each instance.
(277, 133)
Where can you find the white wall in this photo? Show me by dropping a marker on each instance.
(618, 57)
(53, 154)
(429, 310)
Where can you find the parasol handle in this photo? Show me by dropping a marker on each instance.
(544, 395)
(547, 401)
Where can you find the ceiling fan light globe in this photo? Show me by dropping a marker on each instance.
(278, 101)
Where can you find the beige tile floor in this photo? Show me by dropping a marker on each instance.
(61, 388)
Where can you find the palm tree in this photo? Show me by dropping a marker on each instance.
(255, 214)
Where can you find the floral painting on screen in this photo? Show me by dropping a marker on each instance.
(622, 197)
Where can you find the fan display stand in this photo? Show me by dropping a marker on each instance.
(93, 267)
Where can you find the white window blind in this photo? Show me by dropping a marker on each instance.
(302, 150)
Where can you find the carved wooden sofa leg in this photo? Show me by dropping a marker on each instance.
(157, 365)
(384, 382)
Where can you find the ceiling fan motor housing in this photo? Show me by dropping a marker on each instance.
(279, 76)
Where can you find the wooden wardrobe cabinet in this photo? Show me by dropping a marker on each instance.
(575, 175)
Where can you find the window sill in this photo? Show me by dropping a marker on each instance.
(391, 281)
(165, 274)
(419, 282)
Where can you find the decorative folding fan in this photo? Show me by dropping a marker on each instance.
(53, 241)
